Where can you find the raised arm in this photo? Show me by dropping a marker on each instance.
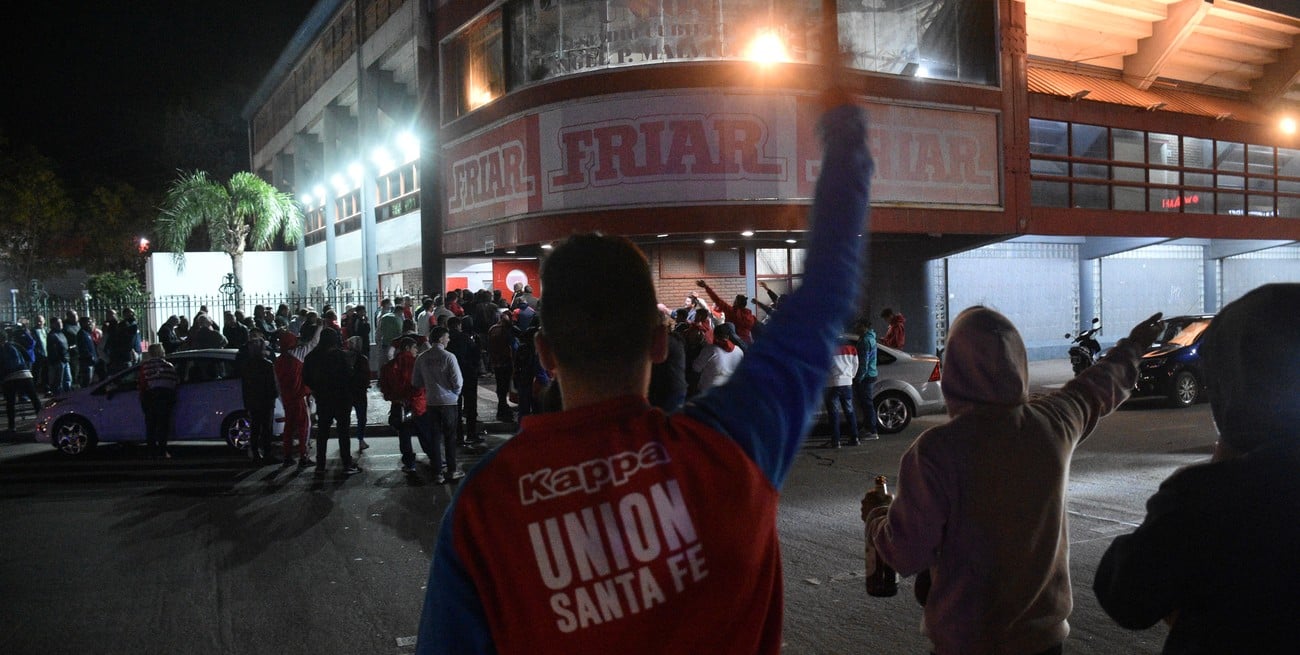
(770, 420)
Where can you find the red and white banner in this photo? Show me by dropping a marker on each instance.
(716, 147)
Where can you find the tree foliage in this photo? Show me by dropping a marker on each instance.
(245, 213)
(113, 286)
(36, 211)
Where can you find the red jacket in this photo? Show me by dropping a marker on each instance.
(395, 382)
(741, 317)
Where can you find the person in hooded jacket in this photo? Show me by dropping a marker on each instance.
(16, 375)
(895, 329)
(980, 500)
(1218, 555)
(331, 373)
(257, 384)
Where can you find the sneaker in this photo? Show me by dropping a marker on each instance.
(834, 445)
(363, 445)
(408, 468)
(305, 461)
(440, 479)
(457, 475)
(870, 436)
(351, 469)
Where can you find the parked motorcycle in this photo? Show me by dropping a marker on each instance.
(1085, 350)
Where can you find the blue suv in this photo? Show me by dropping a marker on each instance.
(1172, 367)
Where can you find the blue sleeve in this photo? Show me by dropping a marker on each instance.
(453, 621)
(768, 404)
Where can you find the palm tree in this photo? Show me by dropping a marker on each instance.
(245, 213)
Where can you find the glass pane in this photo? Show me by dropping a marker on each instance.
(1259, 184)
(1230, 203)
(942, 39)
(1042, 167)
(1088, 141)
(1092, 196)
(772, 261)
(1288, 207)
(1091, 170)
(475, 67)
(797, 257)
(1125, 174)
(781, 31)
(1260, 205)
(1228, 156)
(1287, 186)
(1231, 182)
(1198, 180)
(1198, 153)
(722, 262)
(1127, 145)
(1130, 198)
(1162, 149)
(1198, 203)
(1049, 194)
(1288, 162)
(1164, 200)
(1260, 159)
(1047, 137)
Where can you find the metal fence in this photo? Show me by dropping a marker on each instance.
(152, 311)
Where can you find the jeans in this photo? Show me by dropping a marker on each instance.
(60, 377)
(440, 425)
(85, 373)
(412, 428)
(863, 391)
(327, 416)
(838, 398)
(359, 408)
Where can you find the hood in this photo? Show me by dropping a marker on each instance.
(288, 340)
(984, 362)
(329, 338)
(1249, 354)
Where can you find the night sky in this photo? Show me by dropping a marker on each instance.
(87, 82)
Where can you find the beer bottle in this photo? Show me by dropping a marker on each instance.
(881, 579)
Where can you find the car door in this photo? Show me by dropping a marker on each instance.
(116, 412)
(208, 392)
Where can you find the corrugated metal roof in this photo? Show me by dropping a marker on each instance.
(1099, 89)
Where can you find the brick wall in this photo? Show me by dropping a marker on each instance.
(673, 291)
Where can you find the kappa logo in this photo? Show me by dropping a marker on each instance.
(590, 476)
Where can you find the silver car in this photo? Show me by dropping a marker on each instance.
(209, 406)
(907, 385)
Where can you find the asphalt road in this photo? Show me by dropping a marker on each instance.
(205, 554)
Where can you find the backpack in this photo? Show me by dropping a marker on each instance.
(391, 383)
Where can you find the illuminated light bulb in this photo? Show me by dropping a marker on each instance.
(1288, 125)
(409, 145)
(766, 49)
(709, 242)
(747, 233)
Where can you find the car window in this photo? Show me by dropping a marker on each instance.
(883, 358)
(203, 369)
(1187, 334)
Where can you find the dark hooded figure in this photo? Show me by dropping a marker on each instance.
(330, 373)
(1218, 555)
(981, 499)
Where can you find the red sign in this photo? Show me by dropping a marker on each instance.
(493, 175)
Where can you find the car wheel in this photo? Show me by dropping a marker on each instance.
(238, 430)
(72, 435)
(1185, 390)
(893, 412)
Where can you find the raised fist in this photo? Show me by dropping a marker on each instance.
(1144, 333)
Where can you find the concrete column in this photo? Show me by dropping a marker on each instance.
(331, 160)
(1089, 294)
(366, 136)
(305, 160)
(433, 259)
(1210, 279)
